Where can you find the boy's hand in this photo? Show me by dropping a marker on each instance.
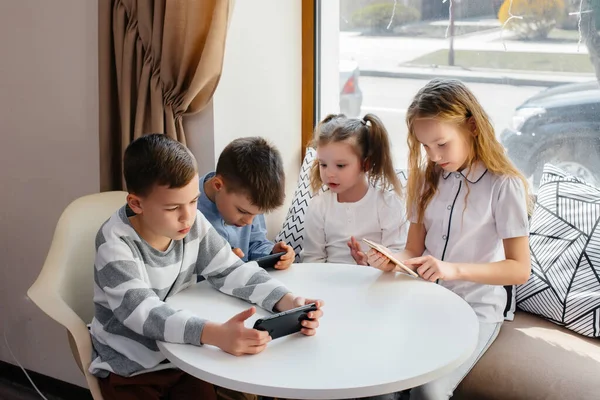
(290, 301)
(309, 328)
(379, 261)
(431, 269)
(233, 337)
(286, 260)
(238, 252)
(356, 251)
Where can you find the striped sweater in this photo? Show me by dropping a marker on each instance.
(132, 280)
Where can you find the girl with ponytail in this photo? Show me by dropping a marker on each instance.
(364, 199)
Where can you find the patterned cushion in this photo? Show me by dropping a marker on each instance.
(293, 225)
(564, 286)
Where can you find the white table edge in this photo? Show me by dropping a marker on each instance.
(316, 394)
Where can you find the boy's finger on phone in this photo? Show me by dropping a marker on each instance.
(308, 332)
(255, 349)
(253, 342)
(258, 342)
(310, 324)
(254, 334)
(263, 335)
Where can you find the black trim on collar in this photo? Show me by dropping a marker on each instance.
(476, 168)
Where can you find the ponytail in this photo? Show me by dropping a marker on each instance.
(378, 155)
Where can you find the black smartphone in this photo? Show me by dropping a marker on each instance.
(269, 261)
(285, 323)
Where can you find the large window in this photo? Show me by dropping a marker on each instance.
(528, 62)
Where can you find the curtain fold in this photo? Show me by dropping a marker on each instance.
(159, 60)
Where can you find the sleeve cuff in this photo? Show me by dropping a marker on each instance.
(263, 251)
(273, 298)
(513, 233)
(193, 331)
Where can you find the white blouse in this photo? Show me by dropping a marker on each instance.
(466, 221)
(379, 216)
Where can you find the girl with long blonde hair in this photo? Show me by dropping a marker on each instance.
(468, 211)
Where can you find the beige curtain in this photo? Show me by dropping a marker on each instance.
(159, 60)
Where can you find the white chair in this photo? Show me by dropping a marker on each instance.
(64, 288)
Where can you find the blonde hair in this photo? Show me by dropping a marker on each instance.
(370, 142)
(450, 101)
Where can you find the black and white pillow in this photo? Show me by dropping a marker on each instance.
(564, 286)
(293, 225)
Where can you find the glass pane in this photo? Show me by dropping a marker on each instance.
(529, 66)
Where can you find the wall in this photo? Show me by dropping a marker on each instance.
(260, 89)
(199, 131)
(48, 157)
(329, 59)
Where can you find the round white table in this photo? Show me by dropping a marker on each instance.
(381, 333)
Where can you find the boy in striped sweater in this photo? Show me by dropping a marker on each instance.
(153, 247)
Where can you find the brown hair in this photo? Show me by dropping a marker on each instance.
(155, 159)
(254, 167)
(371, 144)
(449, 100)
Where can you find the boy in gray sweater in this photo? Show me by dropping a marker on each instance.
(153, 247)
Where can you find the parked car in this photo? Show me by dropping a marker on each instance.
(559, 125)
(350, 93)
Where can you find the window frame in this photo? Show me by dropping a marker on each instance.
(310, 70)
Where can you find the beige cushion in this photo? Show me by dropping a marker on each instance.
(535, 359)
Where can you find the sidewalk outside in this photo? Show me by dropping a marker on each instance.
(387, 56)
